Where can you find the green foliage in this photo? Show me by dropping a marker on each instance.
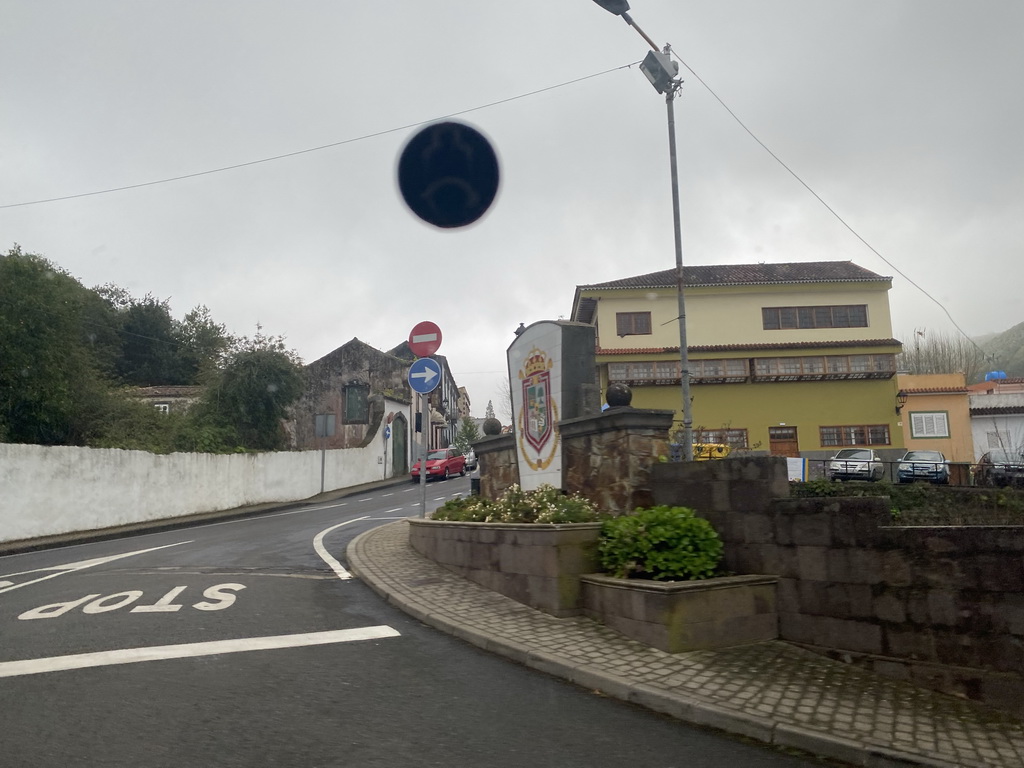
(927, 504)
(544, 505)
(467, 435)
(251, 395)
(51, 384)
(660, 543)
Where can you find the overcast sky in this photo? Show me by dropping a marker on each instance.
(905, 116)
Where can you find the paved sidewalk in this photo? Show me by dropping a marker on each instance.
(773, 692)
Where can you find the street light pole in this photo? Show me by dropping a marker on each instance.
(661, 71)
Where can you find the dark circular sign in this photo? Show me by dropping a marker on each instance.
(448, 174)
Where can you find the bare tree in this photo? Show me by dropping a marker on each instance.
(506, 401)
(937, 352)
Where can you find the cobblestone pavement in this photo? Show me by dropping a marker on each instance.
(772, 692)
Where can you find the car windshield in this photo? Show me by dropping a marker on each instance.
(1004, 457)
(437, 455)
(924, 456)
(851, 453)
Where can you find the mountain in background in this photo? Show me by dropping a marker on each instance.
(1008, 349)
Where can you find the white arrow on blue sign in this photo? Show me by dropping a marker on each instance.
(424, 375)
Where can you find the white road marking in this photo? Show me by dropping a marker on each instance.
(191, 650)
(61, 570)
(396, 509)
(388, 494)
(327, 557)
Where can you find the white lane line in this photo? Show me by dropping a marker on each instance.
(396, 509)
(362, 500)
(61, 570)
(191, 650)
(388, 494)
(327, 557)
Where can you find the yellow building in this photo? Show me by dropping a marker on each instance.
(936, 414)
(785, 358)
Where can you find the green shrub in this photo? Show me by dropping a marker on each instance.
(544, 505)
(661, 543)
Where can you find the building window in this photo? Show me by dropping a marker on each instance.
(162, 407)
(662, 372)
(784, 318)
(929, 424)
(357, 403)
(632, 323)
(871, 434)
(734, 438)
(830, 367)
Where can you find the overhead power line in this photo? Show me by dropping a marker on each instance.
(307, 151)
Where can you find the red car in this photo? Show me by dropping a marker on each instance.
(441, 463)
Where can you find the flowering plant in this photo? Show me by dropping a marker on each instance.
(544, 505)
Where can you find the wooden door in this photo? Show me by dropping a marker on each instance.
(782, 441)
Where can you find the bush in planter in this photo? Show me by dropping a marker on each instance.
(661, 543)
(544, 505)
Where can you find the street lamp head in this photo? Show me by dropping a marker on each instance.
(660, 70)
(618, 7)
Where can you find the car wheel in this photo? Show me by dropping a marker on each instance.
(462, 472)
(876, 474)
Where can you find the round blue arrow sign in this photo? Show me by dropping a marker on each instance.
(424, 375)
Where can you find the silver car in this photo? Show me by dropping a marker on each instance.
(470, 460)
(855, 464)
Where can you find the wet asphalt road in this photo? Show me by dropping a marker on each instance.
(379, 689)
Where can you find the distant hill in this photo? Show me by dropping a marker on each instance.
(1008, 348)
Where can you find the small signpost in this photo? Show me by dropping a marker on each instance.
(424, 376)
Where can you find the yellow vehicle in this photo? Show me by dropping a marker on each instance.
(708, 451)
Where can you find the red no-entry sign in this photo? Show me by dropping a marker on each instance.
(424, 339)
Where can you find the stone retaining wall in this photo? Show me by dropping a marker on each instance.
(940, 606)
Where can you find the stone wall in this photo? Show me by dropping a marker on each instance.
(940, 606)
(606, 458)
(538, 565)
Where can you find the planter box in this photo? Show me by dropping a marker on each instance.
(676, 616)
(539, 565)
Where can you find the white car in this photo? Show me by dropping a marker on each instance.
(855, 464)
(471, 461)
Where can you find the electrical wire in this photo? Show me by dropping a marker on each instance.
(377, 134)
(286, 155)
(828, 207)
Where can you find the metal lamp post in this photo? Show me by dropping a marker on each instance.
(659, 68)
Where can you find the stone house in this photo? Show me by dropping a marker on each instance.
(354, 396)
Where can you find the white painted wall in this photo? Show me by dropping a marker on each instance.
(1005, 430)
(53, 490)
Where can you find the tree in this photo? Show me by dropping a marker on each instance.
(249, 398)
(149, 347)
(51, 387)
(489, 411)
(202, 345)
(466, 435)
(937, 352)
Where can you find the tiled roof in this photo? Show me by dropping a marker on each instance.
(1000, 410)
(166, 391)
(754, 347)
(936, 391)
(750, 274)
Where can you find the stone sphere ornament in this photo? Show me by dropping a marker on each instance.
(448, 174)
(491, 427)
(618, 395)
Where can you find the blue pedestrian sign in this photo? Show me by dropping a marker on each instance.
(424, 375)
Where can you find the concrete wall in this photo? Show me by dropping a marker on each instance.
(45, 491)
(940, 606)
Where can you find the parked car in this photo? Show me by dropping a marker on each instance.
(855, 464)
(471, 461)
(441, 464)
(1000, 468)
(923, 465)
